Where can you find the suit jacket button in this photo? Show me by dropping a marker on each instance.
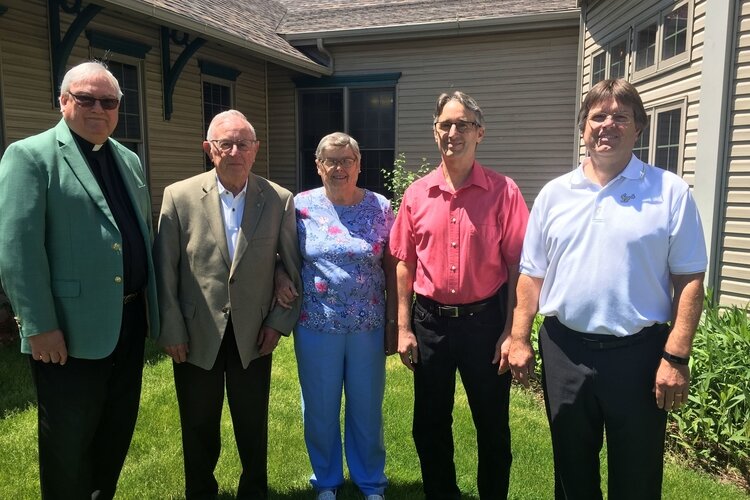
(118, 279)
(116, 247)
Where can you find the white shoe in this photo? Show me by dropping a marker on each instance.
(375, 497)
(327, 495)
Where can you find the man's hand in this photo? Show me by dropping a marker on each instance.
(49, 347)
(284, 291)
(407, 347)
(672, 385)
(502, 348)
(268, 339)
(521, 360)
(178, 352)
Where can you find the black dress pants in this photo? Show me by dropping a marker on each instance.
(468, 344)
(200, 395)
(590, 387)
(87, 414)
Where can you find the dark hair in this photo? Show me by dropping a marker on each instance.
(466, 100)
(623, 92)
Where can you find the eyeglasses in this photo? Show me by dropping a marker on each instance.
(87, 101)
(461, 126)
(333, 162)
(227, 146)
(617, 118)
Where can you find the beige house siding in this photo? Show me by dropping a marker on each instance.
(282, 139)
(734, 287)
(524, 82)
(27, 87)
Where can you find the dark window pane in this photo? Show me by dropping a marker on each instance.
(598, 68)
(645, 54)
(216, 98)
(129, 114)
(617, 60)
(675, 33)
(668, 139)
(321, 112)
(372, 123)
(641, 145)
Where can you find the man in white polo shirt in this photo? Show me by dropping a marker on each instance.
(614, 258)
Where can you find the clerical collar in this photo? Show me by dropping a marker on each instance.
(86, 146)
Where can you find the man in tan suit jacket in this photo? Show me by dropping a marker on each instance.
(219, 236)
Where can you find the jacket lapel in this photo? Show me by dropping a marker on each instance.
(254, 203)
(133, 183)
(212, 209)
(77, 163)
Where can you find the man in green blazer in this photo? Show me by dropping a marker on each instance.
(75, 261)
(220, 234)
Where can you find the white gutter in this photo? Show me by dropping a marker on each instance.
(560, 19)
(163, 16)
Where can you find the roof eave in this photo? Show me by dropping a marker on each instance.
(548, 20)
(161, 15)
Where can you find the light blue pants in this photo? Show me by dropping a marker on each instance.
(354, 362)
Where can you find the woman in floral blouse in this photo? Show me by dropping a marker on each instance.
(346, 317)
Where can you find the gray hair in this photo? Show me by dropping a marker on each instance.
(227, 115)
(337, 140)
(85, 71)
(466, 100)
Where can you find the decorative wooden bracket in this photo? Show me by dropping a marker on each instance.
(61, 48)
(170, 73)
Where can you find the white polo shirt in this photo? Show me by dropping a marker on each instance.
(606, 253)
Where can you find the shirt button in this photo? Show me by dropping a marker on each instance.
(116, 247)
(454, 244)
(453, 220)
(118, 279)
(453, 290)
(453, 268)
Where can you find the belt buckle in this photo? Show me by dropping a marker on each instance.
(448, 311)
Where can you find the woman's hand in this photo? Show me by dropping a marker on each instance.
(284, 291)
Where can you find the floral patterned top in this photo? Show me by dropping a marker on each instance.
(342, 252)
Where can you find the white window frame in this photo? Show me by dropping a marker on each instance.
(606, 51)
(653, 113)
(660, 65)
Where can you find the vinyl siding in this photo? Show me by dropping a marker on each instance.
(735, 243)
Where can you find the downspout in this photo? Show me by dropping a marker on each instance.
(325, 52)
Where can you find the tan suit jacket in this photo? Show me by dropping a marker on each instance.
(199, 287)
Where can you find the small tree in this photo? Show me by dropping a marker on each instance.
(401, 178)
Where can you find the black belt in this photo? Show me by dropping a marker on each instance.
(447, 311)
(127, 299)
(603, 342)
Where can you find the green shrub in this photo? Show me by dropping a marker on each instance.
(400, 178)
(713, 429)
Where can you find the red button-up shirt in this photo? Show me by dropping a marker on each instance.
(462, 241)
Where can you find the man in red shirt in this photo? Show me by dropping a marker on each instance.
(458, 238)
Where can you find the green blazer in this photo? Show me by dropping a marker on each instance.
(199, 285)
(60, 248)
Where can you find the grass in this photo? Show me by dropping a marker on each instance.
(153, 469)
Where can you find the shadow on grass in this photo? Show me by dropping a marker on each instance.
(16, 388)
(395, 491)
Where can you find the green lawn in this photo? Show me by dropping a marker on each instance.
(153, 469)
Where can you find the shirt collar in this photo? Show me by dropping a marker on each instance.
(477, 177)
(634, 170)
(223, 190)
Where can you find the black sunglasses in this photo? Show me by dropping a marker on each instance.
(87, 101)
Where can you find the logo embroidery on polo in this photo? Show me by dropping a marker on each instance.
(624, 197)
